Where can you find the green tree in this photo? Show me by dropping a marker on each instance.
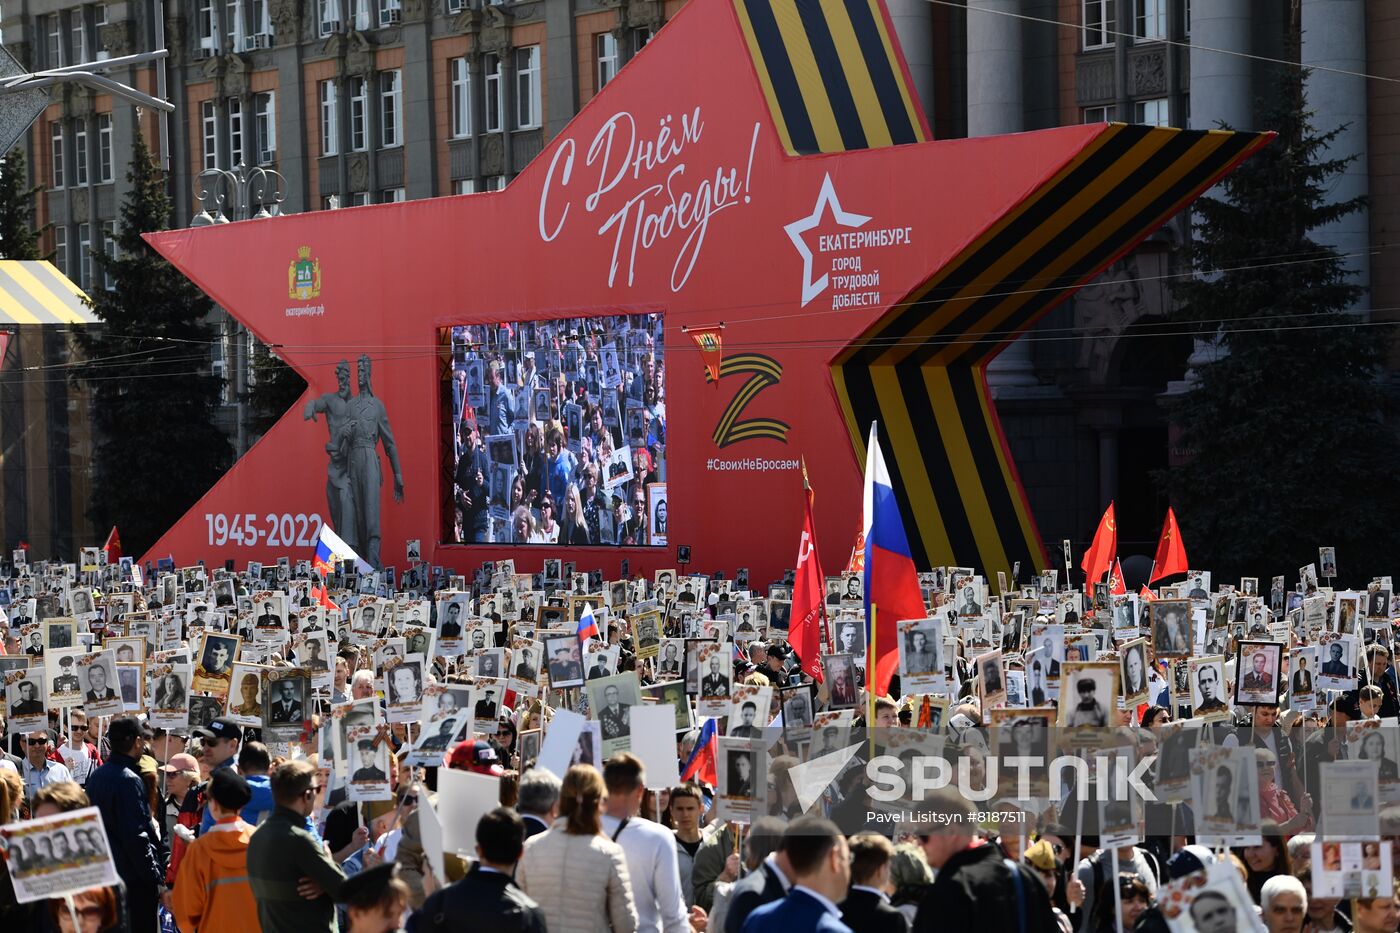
(18, 238)
(274, 388)
(157, 447)
(1286, 435)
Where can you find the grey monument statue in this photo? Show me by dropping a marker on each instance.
(367, 423)
(336, 405)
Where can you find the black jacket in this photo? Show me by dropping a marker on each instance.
(116, 790)
(867, 912)
(481, 900)
(974, 890)
(749, 893)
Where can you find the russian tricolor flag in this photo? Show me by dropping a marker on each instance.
(331, 549)
(701, 764)
(587, 625)
(892, 589)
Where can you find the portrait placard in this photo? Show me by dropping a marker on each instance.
(1257, 668)
(97, 675)
(286, 704)
(168, 705)
(59, 856)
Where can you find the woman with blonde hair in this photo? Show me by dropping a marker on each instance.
(574, 529)
(577, 874)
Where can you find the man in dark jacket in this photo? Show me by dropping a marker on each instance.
(770, 878)
(486, 897)
(866, 908)
(975, 888)
(284, 854)
(117, 791)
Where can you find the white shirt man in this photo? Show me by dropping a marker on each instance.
(652, 862)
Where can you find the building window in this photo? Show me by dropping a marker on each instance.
(1099, 23)
(641, 37)
(464, 186)
(208, 28)
(359, 198)
(461, 99)
(80, 153)
(495, 91)
(235, 132)
(392, 196)
(330, 16)
(359, 13)
(1187, 28)
(79, 30)
(104, 148)
(391, 108)
(99, 14)
(527, 87)
(109, 249)
(455, 6)
(56, 151)
(84, 257)
(1150, 19)
(359, 101)
(1102, 114)
(1152, 112)
(53, 41)
(265, 126)
(606, 45)
(330, 120)
(60, 248)
(390, 12)
(496, 183)
(210, 121)
(259, 24)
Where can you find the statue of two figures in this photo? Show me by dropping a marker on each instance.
(356, 425)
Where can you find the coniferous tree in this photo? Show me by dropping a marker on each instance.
(1288, 446)
(18, 238)
(157, 446)
(275, 388)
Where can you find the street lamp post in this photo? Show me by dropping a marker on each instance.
(237, 193)
(240, 194)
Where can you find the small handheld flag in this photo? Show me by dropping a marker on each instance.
(331, 549)
(702, 761)
(587, 625)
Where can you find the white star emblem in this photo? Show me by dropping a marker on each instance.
(795, 230)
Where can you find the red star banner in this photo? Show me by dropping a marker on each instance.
(1099, 557)
(808, 599)
(864, 273)
(1171, 550)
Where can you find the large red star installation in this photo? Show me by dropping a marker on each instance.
(861, 273)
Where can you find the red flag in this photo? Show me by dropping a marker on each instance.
(1099, 558)
(710, 344)
(1147, 594)
(703, 758)
(808, 604)
(113, 547)
(1116, 586)
(1171, 550)
(857, 562)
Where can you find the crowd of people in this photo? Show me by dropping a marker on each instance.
(559, 432)
(238, 817)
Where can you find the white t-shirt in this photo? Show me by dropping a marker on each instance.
(78, 761)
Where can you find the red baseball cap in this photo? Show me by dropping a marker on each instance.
(476, 756)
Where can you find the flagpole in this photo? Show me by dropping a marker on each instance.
(870, 676)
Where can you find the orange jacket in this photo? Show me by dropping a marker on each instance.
(212, 894)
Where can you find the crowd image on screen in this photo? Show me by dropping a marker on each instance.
(558, 432)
